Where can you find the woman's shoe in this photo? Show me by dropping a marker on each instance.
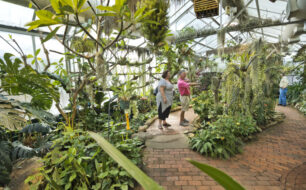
(184, 124)
(160, 127)
(186, 121)
(166, 125)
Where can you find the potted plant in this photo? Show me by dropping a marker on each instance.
(125, 93)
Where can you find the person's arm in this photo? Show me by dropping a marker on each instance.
(194, 84)
(162, 92)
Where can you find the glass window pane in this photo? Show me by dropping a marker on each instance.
(15, 15)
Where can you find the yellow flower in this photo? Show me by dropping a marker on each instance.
(222, 138)
(208, 123)
(238, 123)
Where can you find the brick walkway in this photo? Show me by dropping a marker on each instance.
(275, 160)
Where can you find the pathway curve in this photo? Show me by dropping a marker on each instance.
(275, 160)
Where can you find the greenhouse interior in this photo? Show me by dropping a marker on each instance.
(153, 94)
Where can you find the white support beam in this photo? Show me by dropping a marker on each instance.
(258, 12)
(269, 35)
(179, 9)
(181, 15)
(23, 31)
(199, 43)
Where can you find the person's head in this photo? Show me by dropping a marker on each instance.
(182, 74)
(166, 74)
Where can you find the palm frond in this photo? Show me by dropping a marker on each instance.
(18, 79)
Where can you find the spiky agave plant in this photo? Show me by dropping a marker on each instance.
(157, 30)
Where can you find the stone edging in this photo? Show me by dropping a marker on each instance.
(277, 119)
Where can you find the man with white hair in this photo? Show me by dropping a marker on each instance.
(184, 89)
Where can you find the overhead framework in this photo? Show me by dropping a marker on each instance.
(253, 19)
(247, 27)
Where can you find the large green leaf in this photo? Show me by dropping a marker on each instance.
(51, 34)
(31, 111)
(21, 151)
(222, 178)
(46, 18)
(5, 162)
(45, 15)
(145, 181)
(55, 6)
(11, 118)
(80, 4)
(107, 8)
(107, 14)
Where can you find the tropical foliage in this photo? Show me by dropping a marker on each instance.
(223, 138)
(76, 161)
(239, 101)
(107, 88)
(297, 91)
(19, 79)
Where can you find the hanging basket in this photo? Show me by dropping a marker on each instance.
(206, 8)
(124, 104)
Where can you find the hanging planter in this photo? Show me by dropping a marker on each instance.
(157, 31)
(124, 104)
(206, 8)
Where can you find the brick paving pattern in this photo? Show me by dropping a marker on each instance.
(275, 160)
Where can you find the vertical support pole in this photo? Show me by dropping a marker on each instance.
(258, 12)
(220, 13)
(144, 76)
(34, 45)
(221, 26)
(68, 66)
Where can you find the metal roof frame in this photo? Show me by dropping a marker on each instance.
(259, 7)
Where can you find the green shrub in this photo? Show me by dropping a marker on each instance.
(263, 110)
(239, 125)
(203, 105)
(142, 118)
(297, 96)
(77, 162)
(216, 142)
(223, 138)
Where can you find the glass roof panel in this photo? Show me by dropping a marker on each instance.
(182, 21)
(181, 15)
(176, 11)
(9, 16)
(267, 9)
